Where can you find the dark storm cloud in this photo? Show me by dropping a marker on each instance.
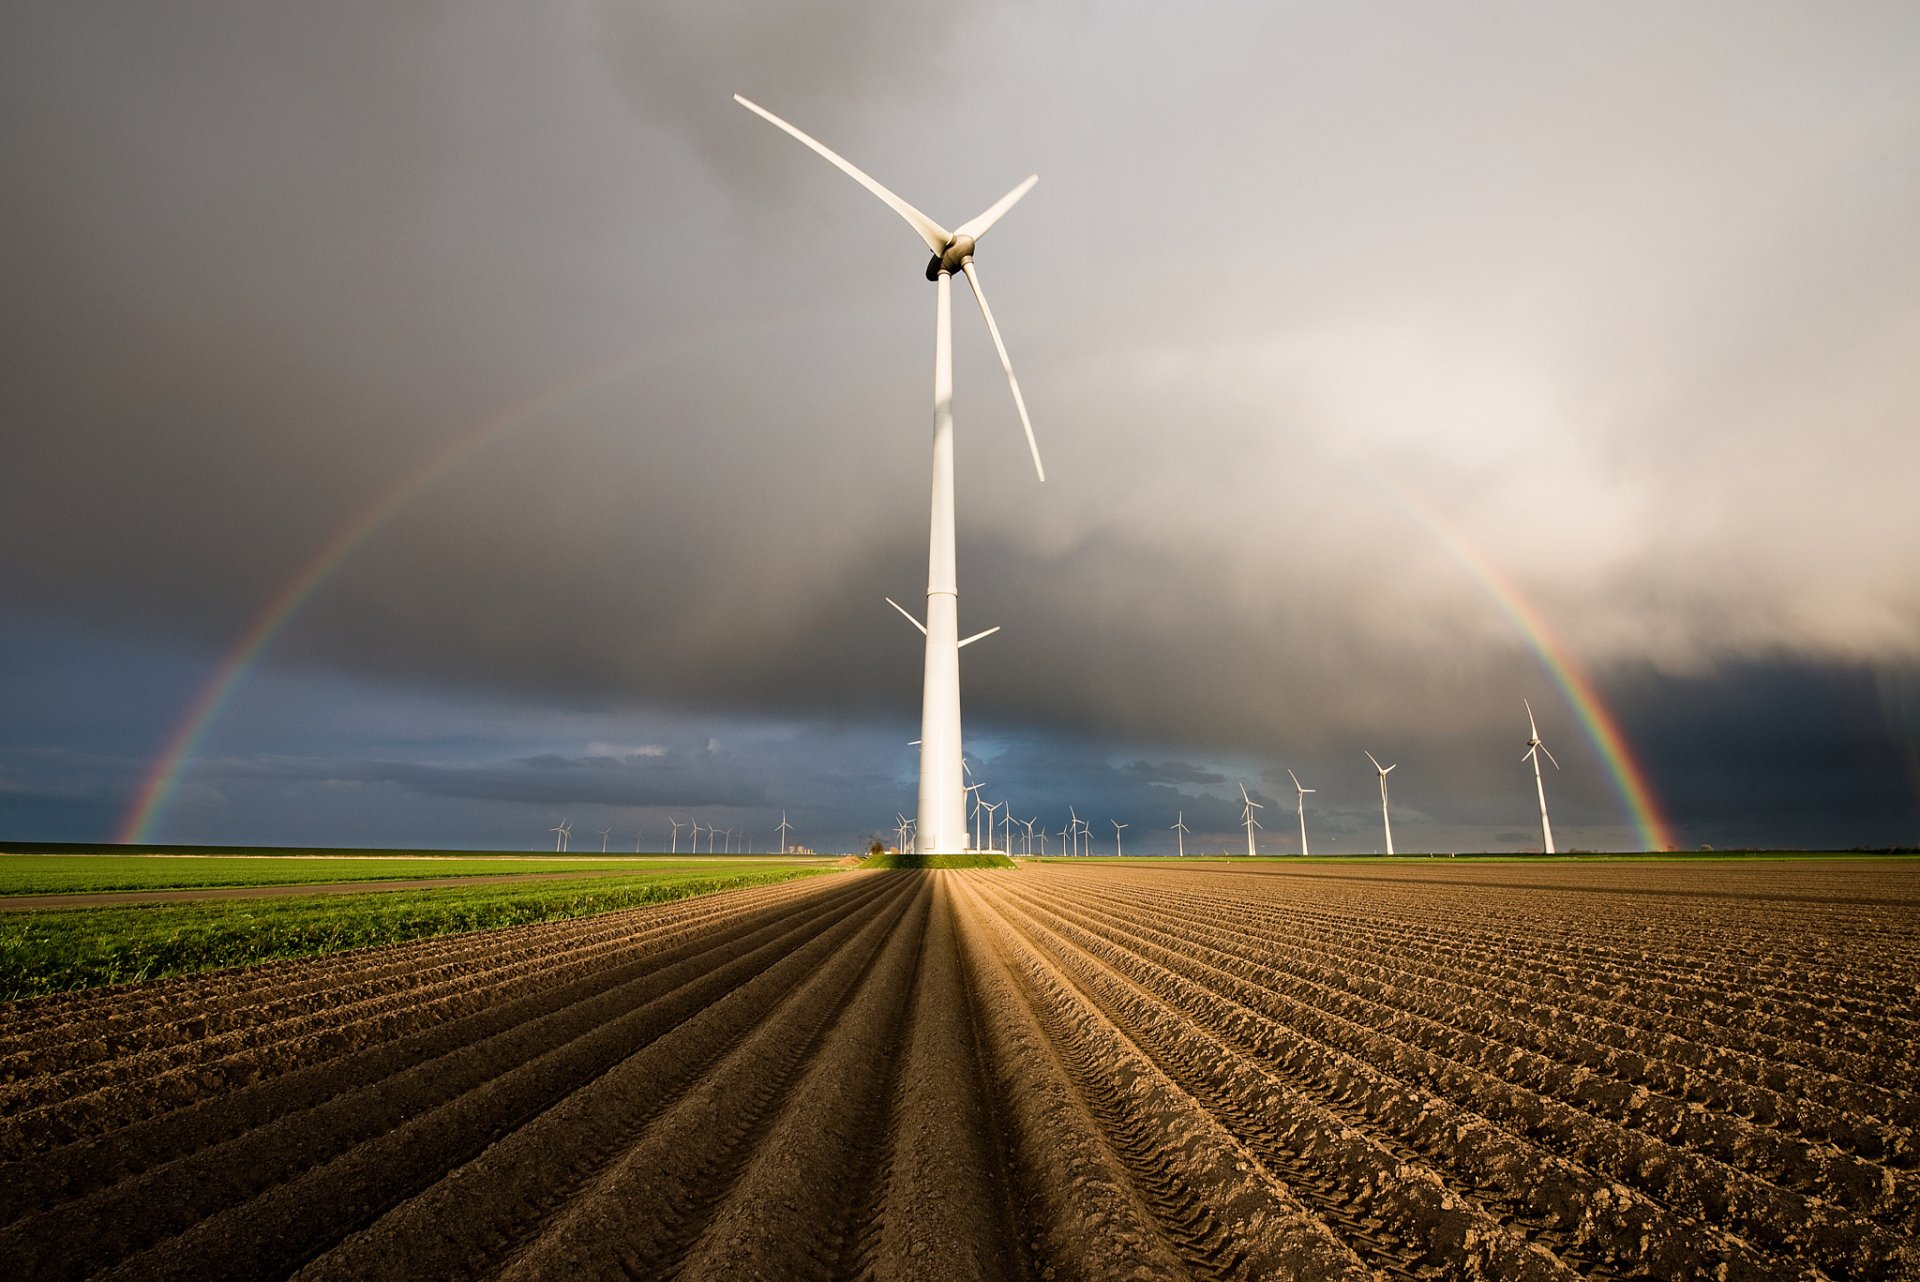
(1624, 298)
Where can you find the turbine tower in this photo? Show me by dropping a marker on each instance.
(785, 828)
(1180, 828)
(1246, 817)
(1117, 826)
(677, 825)
(560, 836)
(1534, 749)
(1384, 819)
(604, 834)
(1300, 805)
(942, 826)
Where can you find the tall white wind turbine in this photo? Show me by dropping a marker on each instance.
(1384, 818)
(559, 832)
(1534, 749)
(677, 826)
(942, 815)
(1246, 817)
(785, 828)
(1117, 826)
(605, 833)
(1180, 827)
(1300, 805)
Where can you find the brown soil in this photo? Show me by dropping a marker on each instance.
(1077, 1072)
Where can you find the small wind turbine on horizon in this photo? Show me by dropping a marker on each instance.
(1300, 806)
(1534, 748)
(564, 830)
(784, 829)
(677, 825)
(1385, 819)
(1180, 828)
(1246, 816)
(605, 833)
(1117, 826)
(942, 802)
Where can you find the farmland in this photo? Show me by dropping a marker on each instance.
(1607, 1071)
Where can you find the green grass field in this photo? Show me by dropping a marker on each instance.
(58, 949)
(37, 874)
(937, 861)
(1671, 856)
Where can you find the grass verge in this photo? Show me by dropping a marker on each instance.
(981, 860)
(62, 949)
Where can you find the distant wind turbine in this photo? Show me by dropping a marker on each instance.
(676, 833)
(604, 834)
(561, 833)
(636, 843)
(1117, 826)
(1246, 817)
(1180, 828)
(942, 805)
(785, 828)
(1385, 819)
(1300, 804)
(1534, 749)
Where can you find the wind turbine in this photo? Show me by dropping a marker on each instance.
(1073, 826)
(604, 834)
(972, 789)
(1534, 749)
(785, 828)
(1384, 818)
(1246, 817)
(696, 836)
(676, 833)
(942, 805)
(1117, 826)
(1027, 848)
(636, 843)
(1300, 805)
(1180, 827)
(560, 838)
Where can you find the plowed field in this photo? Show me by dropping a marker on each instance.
(1601, 1071)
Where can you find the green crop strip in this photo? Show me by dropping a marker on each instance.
(60, 949)
(937, 861)
(32, 874)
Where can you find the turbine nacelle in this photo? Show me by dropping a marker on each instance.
(953, 259)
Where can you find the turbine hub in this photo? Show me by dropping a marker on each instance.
(951, 259)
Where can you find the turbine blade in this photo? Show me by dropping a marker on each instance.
(1531, 728)
(1390, 769)
(908, 617)
(1549, 751)
(976, 636)
(931, 232)
(1006, 363)
(976, 227)
(1375, 760)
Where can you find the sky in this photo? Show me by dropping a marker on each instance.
(424, 424)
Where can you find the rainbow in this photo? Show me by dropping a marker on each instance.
(1629, 776)
(181, 746)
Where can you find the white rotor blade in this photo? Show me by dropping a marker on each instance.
(1019, 401)
(1549, 751)
(977, 227)
(908, 617)
(931, 232)
(1531, 728)
(1375, 760)
(976, 636)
